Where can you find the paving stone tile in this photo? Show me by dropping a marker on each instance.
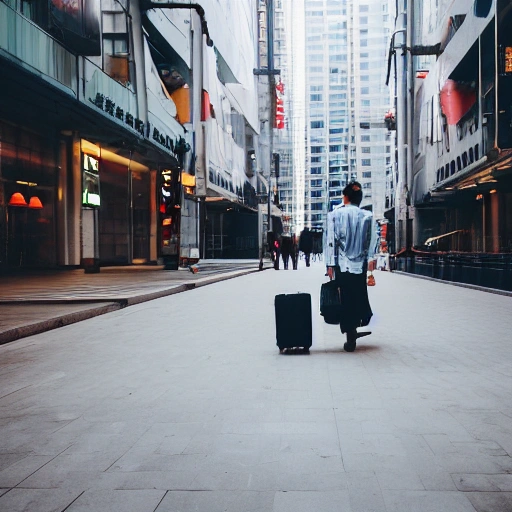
(7, 459)
(375, 462)
(436, 479)
(306, 501)
(38, 500)
(399, 480)
(117, 500)
(301, 480)
(490, 501)
(163, 480)
(216, 501)
(324, 446)
(480, 483)
(426, 501)
(19, 471)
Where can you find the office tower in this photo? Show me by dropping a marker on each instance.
(346, 100)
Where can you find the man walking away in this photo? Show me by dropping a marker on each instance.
(306, 244)
(350, 241)
(286, 249)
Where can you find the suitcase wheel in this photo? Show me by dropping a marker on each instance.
(294, 350)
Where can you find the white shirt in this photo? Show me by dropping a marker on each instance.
(351, 238)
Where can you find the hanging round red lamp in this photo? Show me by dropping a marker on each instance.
(35, 203)
(17, 199)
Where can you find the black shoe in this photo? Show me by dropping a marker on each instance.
(349, 346)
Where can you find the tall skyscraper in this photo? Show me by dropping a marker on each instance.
(346, 99)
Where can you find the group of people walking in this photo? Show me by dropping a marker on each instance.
(289, 248)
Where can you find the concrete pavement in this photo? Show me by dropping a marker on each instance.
(36, 302)
(184, 404)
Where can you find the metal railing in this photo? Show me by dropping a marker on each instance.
(481, 269)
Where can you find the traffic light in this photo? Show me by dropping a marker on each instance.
(276, 164)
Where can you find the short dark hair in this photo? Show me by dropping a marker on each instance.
(353, 192)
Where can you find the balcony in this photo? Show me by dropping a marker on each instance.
(24, 43)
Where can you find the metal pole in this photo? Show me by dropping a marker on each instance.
(272, 94)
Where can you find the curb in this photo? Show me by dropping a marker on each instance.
(17, 333)
(495, 291)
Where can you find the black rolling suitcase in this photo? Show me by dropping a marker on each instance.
(293, 321)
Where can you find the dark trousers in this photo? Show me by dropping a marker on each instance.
(307, 256)
(286, 257)
(356, 310)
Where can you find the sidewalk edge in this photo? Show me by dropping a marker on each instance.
(25, 331)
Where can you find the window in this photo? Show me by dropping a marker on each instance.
(363, 8)
(316, 88)
(317, 124)
(337, 58)
(364, 65)
(317, 206)
(335, 149)
(316, 170)
(316, 69)
(316, 183)
(336, 130)
(365, 103)
(316, 159)
(364, 78)
(366, 162)
(341, 96)
(363, 20)
(317, 149)
(365, 90)
(316, 193)
(316, 57)
(367, 185)
(315, 97)
(365, 55)
(366, 149)
(367, 174)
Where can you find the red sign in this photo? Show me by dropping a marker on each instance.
(279, 120)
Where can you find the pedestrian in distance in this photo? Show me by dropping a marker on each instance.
(306, 244)
(351, 241)
(286, 249)
(294, 254)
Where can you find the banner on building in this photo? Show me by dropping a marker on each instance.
(279, 119)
